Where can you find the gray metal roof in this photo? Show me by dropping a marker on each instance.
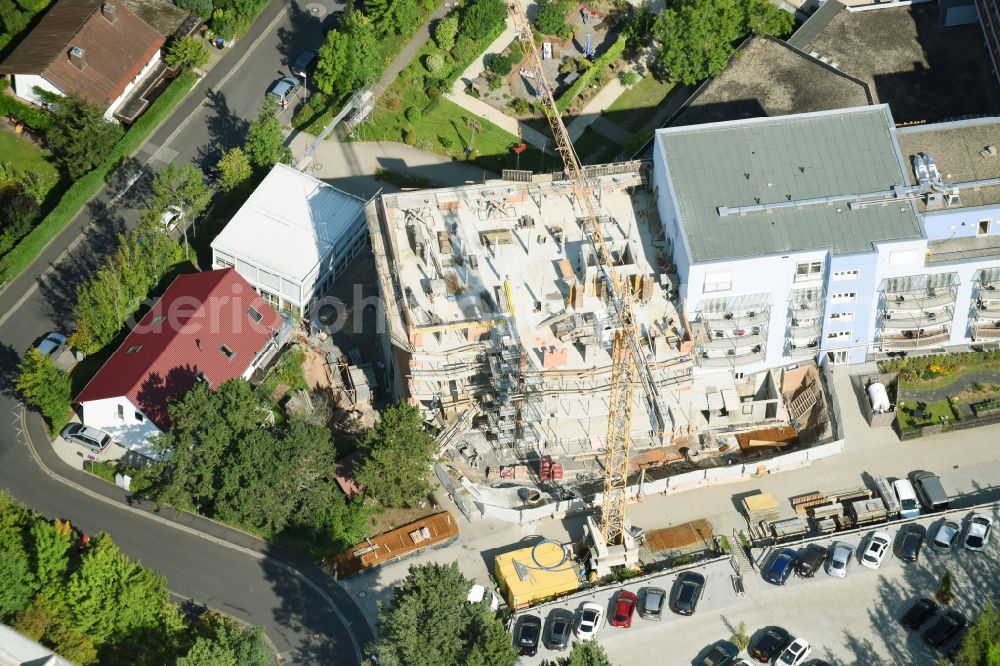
(774, 160)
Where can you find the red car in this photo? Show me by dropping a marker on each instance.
(624, 608)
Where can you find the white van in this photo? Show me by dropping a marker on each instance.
(909, 508)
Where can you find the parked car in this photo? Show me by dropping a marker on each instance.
(796, 653)
(686, 592)
(946, 627)
(91, 438)
(589, 621)
(921, 611)
(529, 631)
(840, 560)
(304, 63)
(772, 642)
(52, 344)
(722, 653)
(811, 559)
(283, 89)
(944, 538)
(909, 542)
(977, 532)
(781, 566)
(560, 629)
(170, 218)
(930, 490)
(624, 609)
(876, 550)
(653, 600)
(908, 507)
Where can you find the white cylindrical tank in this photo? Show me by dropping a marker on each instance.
(878, 397)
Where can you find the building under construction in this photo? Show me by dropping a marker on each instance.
(495, 314)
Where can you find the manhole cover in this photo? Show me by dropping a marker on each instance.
(316, 9)
(362, 594)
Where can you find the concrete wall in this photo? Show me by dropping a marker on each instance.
(146, 69)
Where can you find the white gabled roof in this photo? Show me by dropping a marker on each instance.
(289, 223)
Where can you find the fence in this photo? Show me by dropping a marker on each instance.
(964, 424)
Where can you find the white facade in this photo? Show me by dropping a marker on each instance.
(146, 69)
(292, 238)
(123, 420)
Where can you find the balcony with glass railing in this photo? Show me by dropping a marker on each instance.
(914, 339)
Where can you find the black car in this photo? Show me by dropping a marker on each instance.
(304, 63)
(945, 628)
(529, 630)
(722, 653)
(810, 560)
(770, 644)
(781, 566)
(921, 611)
(560, 629)
(686, 592)
(910, 541)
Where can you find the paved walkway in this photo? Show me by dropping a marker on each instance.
(481, 108)
(409, 52)
(590, 114)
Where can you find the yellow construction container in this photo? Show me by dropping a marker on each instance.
(533, 574)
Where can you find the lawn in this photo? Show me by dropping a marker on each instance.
(633, 108)
(594, 148)
(933, 372)
(21, 154)
(911, 417)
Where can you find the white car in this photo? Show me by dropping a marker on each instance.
(796, 653)
(877, 549)
(52, 344)
(945, 536)
(171, 217)
(840, 559)
(589, 622)
(977, 532)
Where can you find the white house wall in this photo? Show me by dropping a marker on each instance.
(131, 432)
(109, 114)
(24, 87)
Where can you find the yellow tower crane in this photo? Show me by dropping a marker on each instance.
(628, 361)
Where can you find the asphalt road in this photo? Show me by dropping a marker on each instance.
(255, 584)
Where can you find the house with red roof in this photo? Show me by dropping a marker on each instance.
(100, 51)
(207, 327)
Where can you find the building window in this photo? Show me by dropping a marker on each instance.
(121, 412)
(841, 316)
(843, 297)
(229, 353)
(748, 409)
(222, 263)
(253, 314)
(139, 417)
(810, 270)
(839, 335)
(984, 228)
(839, 276)
(133, 349)
(738, 375)
(718, 281)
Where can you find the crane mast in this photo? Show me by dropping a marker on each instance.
(627, 360)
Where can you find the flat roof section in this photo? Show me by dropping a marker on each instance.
(958, 150)
(777, 160)
(289, 223)
(769, 78)
(923, 71)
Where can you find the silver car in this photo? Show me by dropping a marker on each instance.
(652, 603)
(944, 538)
(840, 560)
(283, 89)
(977, 532)
(91, 438)
(52, 344)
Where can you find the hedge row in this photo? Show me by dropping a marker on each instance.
(80, 192)
(35, 118)
(609, 56)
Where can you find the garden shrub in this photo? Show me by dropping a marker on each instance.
(409, 137)
(413, 114)
(499, 64)
(434, 63)
(551, 18)
(432, 92)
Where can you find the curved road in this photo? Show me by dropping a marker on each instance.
(308, 618)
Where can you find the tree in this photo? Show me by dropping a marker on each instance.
(182, 186)
(80, 135)
(981, 645)
(434, 62)
(18, 583)
(446, 31)
(482, 18)
(265, 142)
(367, 58)
(397, 455)
(45, 387)
(50, 552)
(944, 593)
(629, 78)
(741, 639)
(202, 8)
(334, 66)
(233, 170)
(499, 64)
(430, 623)
(589, 653)
(765, 18)
(187, 52)
(550, 19)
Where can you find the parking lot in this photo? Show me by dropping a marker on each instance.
(854, 620)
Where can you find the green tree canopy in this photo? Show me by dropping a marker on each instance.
(587, 653)
(397, 455)
(430, 623)
(187, 52)
(233, 170)
(182, 186)
(446, 31)
(697, 37)
(80, 135)
(18, 583)
(45, 387)
(550, 19)
(482, 18)
(981, 645)
(265, 141)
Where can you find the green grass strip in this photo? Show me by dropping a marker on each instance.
(80, 192)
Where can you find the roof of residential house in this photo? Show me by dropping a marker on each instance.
(114, 51)
(781, 160)
(769, 78)
(961, 152)
(290, 223)
(206, 326)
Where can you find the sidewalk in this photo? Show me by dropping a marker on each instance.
(590, 114)
(480, 108)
